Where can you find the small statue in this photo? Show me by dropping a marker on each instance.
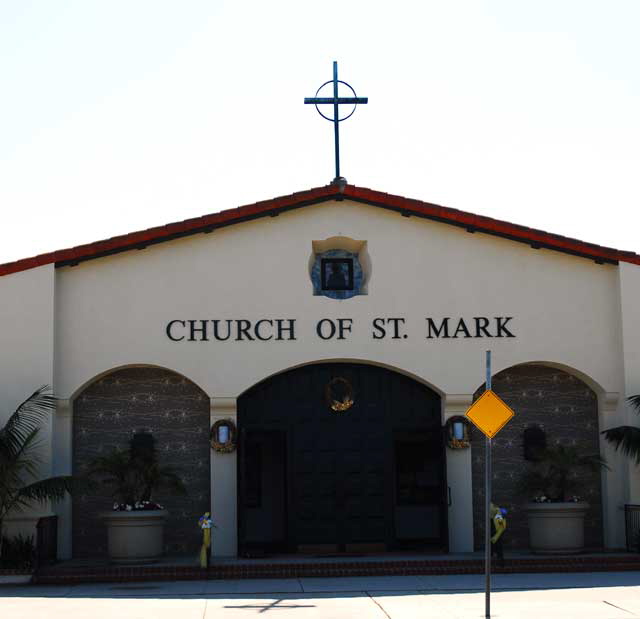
(498, 526)
(206, 524)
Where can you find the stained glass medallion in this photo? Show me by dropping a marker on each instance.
(337, 274)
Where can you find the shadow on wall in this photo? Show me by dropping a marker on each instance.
(566, 408)
(176, 412)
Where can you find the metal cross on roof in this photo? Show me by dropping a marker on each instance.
(336, 101)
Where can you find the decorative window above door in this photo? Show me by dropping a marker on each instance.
(339, 268)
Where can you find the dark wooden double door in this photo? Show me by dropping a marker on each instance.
(370, 478)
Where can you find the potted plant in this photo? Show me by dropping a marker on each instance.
(135, 526)
(556, 514)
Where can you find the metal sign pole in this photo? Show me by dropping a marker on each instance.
(487, 508)
(489, 414)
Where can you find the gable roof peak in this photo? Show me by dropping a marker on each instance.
(339, 190)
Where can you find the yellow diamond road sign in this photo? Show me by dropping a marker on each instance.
(489, 413)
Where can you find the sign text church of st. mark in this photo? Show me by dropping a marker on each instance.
(286, 329)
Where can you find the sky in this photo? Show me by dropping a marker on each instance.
(117, 116)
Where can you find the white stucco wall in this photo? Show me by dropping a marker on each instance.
(630, 307)
(114, 311)
(566, 310)
(26, 358)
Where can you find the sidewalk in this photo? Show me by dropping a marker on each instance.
(601, 595)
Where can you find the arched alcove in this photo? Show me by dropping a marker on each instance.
(340, 457)
(566, 409)
(346, 361)
(107, 412)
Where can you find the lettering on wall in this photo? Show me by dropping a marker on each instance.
(478, 326)
(326, 329)
(237, 330)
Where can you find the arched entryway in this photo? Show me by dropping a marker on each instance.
(340, 457)
(107, 413)
(565, 408)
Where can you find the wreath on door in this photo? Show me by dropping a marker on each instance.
(339, 395)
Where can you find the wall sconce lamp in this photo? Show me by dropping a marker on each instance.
(457, 432)
(224, 436)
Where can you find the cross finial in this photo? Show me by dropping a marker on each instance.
(336, 101)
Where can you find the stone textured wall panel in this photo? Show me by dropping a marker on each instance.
(176, 411)
(567, 409)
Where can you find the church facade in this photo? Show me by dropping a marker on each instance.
(325, 343)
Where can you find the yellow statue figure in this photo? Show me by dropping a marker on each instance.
(498, 526)
(205, 523)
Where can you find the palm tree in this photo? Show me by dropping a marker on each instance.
(19, 458)
(135, 473)
(555, 473)
(626, 438)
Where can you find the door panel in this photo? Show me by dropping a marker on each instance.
(420, 488)
(263, 502)
(341, 482)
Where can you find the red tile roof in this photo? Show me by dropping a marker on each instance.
(406, 206)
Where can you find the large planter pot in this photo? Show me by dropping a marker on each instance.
(136, 536)
(556, 528)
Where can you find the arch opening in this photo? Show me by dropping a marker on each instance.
(340, 457)
(106, 415)
(349, 360)
(86, 384)
(564, 407)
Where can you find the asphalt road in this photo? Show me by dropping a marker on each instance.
(522, 596)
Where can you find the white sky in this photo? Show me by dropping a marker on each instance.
(121, 115)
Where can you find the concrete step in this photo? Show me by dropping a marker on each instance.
(61, 574)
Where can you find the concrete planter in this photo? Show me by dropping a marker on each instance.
(556, 528)
(136, 536)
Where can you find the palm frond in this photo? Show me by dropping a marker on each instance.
(626, 439)
(172, 482)
(594, 462)
(634, 400)
(554, 473)
(116, 471)
(51, 489)
(27, 455)
(116, 463)
(19, 457)
(134, 474)
(29, 416)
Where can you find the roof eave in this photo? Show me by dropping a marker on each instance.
(537, 239)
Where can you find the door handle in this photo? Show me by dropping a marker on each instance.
(449, 496)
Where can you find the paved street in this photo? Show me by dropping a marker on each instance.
(522, 596)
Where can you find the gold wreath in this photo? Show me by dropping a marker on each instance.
(230, 445)
(337, 405)
(456, 443)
